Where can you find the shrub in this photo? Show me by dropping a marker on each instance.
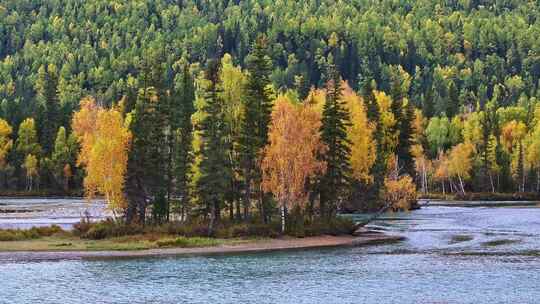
(32, 233)
(82, 227)
(336, 226)
(47, 230)
(247, 230)
(110, 228)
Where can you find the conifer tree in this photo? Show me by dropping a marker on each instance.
(147, 158)
(335, 120)
(212, 184)
(51, 108)
(258, 108)
(403, 149)
(182, 110)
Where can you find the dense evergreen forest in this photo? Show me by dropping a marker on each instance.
(238, 107)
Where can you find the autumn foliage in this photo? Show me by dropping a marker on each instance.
(399, 192)
(290, 158)
(104, 141)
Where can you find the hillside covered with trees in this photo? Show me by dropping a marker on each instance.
(235, 108)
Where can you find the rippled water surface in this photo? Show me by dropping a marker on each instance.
(452, 255)
(23, 213)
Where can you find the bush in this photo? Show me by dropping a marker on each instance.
(110, 228)
(32, 233)
(82, 227)
(336, 226)
(247, 230)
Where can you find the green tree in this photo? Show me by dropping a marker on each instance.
(213, 182)
(254, 132)
(48, 92)
(184, 98)
(334, 184)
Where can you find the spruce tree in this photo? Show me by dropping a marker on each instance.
(51, 110)
(258, 107)
(212, 183)
(182, 110)
(145, 180)
(403, 149)
(335, 119)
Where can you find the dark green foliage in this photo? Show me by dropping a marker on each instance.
(182, 130)
(258, 107)
(50, 119)
(212, 185)
(148, 155)
(335, 119)
(159, 208)
(403, 149)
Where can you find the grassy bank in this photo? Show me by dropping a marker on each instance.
(140, 242)
(109, 235)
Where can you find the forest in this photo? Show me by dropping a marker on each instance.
(245, 109)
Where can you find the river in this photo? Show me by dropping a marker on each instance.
(451, 255)
(24, 213)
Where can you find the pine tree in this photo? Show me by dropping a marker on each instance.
(452, 107)
(182, 110)
(148, 155)
(50, 119)
(378, 170)
(258, 108)
(335, 119)
(403, 150)
(212, 184)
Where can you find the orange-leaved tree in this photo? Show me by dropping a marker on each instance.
(104, 139)
(290, 158)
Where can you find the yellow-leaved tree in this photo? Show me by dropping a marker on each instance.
(460, 162)
(30, 165)
(104, 138)
(440, 173)
(5, 142)
(360, 135)
(389, 138)
(290, 158)
(399, 192)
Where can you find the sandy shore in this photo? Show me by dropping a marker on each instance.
(249, 247)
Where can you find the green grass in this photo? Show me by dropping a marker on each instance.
(184, 242)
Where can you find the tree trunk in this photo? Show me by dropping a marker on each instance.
(247, 196)
(212, 219)
(231, 210)
(443, 189)
(538, 180)
(461, 184)
(238, 211)
(261, 205)
(283, 218)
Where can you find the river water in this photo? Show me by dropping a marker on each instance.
(451, 255)
(24, 213)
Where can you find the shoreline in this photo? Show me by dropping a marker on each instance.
(272, 245)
